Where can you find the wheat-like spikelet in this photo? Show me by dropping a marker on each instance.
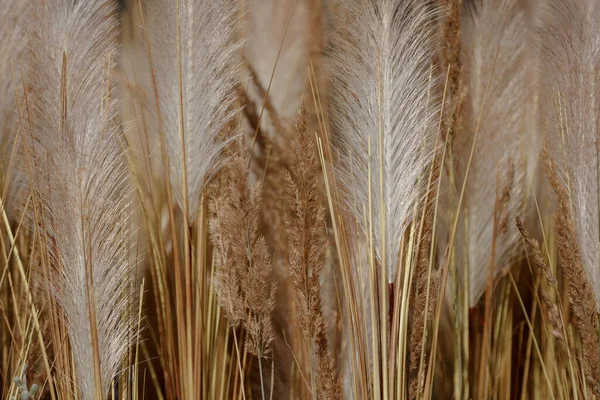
(79, 176)
(195, 59)
(257, 288)
(451, 63)
(222, 230)
(244, 283)
(538, 261)
(581, 291)
(425, 288)
(305, 228)
(259, 295)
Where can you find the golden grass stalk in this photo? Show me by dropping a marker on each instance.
(538, 260)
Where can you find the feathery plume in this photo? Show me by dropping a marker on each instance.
(498, 165)
(570, 112)
(381, 54)
(80, 180)
(570, 77)
(195, 61)
(13, 45)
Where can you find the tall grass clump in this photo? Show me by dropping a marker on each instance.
(299, 199)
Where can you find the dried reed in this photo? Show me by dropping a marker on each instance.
(305, 228)
(581, 294)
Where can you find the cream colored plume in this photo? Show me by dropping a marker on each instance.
(497, 180)
(382, 102)
(79, 179)
(195, 57)
(570, 110)
(13, 43)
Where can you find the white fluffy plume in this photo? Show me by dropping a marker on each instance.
(79, 178)
(499, 166)
(381, 57)
(195, 57)
(13, 43)
(570, 106)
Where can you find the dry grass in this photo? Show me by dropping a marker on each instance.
(305, 228)
(254, 279)
(581, 294)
